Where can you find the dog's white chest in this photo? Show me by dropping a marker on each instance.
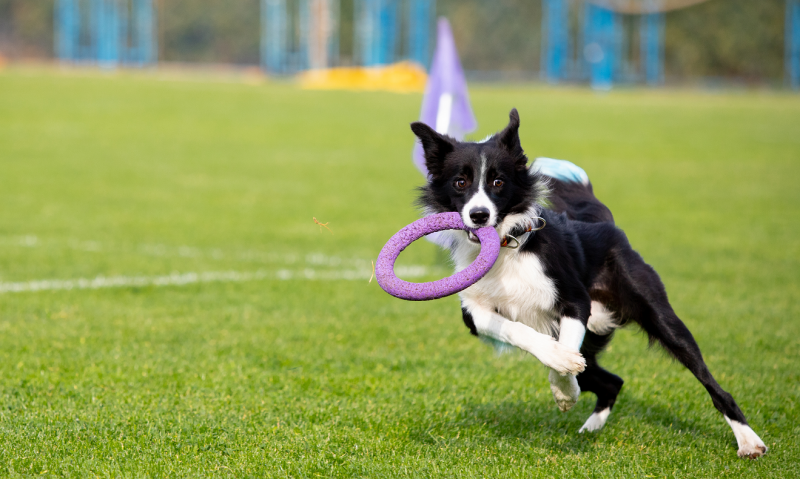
(516, 287)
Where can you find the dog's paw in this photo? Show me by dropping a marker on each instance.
(566, 391)
(750, 445)
(752, 451)
(565, 360)
(596, 421)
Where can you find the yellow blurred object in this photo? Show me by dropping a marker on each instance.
(2, 61)
(402, 77)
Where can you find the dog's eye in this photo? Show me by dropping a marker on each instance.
(498, 183)
(461, 183)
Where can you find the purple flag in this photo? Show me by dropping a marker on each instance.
(445, 106)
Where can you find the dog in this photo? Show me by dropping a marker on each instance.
(567, 279)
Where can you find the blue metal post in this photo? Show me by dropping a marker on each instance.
(388, 31)
(555, 42)
(67, 26)
(377, 27)
(420, 16)
(274, 18)
(144, 32)
(652, 47)
(602, 33)
(792, 51)
(127, 49)
(107, 32)
(304, 21)
(366, 26)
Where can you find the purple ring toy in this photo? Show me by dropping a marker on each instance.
(384, 269)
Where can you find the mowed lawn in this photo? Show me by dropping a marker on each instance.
(233, 337)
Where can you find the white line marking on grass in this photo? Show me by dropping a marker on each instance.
(178, 279)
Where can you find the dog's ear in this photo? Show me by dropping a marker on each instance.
(435, 145)
(508, 139)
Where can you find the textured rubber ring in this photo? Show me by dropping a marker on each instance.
(384, 269)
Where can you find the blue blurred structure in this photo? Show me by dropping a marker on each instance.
(376, 25)
(601, 38)
(651, 41)
(314, 43)
(420, 19)
(274, 35)
(602, 34)
(308, 41)
(108, 32)
(555, 40)
(793, 43)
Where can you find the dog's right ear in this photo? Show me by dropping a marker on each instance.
(435, 145)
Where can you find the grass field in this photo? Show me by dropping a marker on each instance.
(242, 341)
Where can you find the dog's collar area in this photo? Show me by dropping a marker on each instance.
(519, 231)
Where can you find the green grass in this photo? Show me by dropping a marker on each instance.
(129, 174)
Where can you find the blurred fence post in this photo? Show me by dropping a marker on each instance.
(144, 32)
(106, 32)
(273, 35)
(792, 51)
(376, 24)
(67, 26)
(652, 43)
(555, 41)
(602, 34)
(420, 15)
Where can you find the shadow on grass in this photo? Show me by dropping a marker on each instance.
(540, 424)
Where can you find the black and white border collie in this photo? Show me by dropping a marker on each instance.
(568, 277)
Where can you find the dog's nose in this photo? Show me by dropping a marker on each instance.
(479, 215)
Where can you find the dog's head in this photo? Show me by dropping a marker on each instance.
(485, 182)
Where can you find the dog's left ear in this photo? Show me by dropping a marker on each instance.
(508, 139)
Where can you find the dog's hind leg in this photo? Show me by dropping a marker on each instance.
(599, 381)
(642, 298)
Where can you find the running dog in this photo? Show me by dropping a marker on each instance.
(568, 277)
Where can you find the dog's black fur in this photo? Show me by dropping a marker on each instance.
(582, 251)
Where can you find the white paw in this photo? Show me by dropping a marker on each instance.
(565, 390)
(564, 360)
(750, 445)
(596, 421)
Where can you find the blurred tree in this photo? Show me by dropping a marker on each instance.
(26, 29)
(742, 38)
(498, 35)
(210, 31)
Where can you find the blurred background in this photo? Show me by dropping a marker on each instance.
(636, 41)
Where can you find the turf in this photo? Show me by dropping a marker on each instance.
(142, 175)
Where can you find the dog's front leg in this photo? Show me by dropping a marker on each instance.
(556, 355)
(565, 387)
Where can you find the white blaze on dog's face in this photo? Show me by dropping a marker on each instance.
(483, 182)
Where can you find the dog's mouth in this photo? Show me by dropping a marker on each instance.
(472, 237)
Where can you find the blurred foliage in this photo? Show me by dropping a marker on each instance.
(719, 38)
(726, 38)
(26, 28)
(501, 35)
(209, 31)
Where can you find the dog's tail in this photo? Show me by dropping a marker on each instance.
(571, 191)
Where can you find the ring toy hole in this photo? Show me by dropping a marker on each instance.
(384, 269)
